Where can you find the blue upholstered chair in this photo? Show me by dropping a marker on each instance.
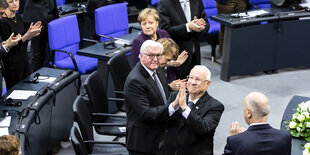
(64, 39)
(259, 4)
(154, 2)
(212, 36)
(111, 20)
(60, 2)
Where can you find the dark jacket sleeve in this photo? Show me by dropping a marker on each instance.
(207, 123)
(227, 149)
(136, 96)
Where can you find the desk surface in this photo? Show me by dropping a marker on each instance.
(276, 14)
(98, 51)
(287, 116)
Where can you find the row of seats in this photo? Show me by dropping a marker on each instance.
(64, 36)
(92, 111)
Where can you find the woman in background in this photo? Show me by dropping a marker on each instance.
(15, 62)
(170, 60)
(148, 19)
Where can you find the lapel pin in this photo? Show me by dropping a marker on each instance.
(197, 108)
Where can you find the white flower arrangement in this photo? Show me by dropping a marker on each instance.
(299, 126)
(307, 149)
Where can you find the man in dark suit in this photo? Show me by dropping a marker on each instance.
(6, 45)
(185, 21)
(44, 11)
(260, 138)
(145, 93)
(192, 124)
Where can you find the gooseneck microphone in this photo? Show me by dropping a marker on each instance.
(35, 79)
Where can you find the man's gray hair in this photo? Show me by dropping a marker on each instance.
(3, 4)
(204, 69)
(151, 43)
(258, 109)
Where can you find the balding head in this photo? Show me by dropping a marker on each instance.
(256, 108)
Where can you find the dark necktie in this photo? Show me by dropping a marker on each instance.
(160, 88)
(190, 104)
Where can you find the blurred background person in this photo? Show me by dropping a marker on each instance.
(185, 21)
(44, 11)
(6, 45)
(9, 145)
(229, 6)
(15, 61)
(148, 19)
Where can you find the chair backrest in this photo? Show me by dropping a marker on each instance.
(97, 94)
(82, 116)
(154, 2)
(111, 20)
(210, 7)
(119, 67)
(63, 34)
(60, 2)
(260, 4)
(77, 142)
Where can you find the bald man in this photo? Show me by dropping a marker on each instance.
(260, 138)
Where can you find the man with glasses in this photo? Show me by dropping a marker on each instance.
(146, 93)
(191, 128)
(6, 45)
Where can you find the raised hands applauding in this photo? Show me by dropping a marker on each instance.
(33, 31)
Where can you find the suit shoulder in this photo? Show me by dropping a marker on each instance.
(216, 102)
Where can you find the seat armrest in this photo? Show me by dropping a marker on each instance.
(119, 92)
(104, 142)
(109, 115)
(134, 27)
(116, 99)
(90, 40)
(109, 124)
(67, 52)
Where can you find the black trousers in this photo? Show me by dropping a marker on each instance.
(40, 50)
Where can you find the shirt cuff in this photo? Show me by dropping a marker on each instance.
(171, 109)
(188, 30)
(6, 49)
(186, 112)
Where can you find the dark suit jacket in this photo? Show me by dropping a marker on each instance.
(259, 140)
(194, 135)
(173, 20)
(2, 50)
(40, 10)
(146, 111)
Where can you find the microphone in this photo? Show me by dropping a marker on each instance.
(42, 91)
(34, 80)
(108, 43)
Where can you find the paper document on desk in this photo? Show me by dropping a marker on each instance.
(122, 129)
(122, 42)
(47, 79)
(250, 14)
(5, 121)
(4, 131)
(22, 94)
(305, 4)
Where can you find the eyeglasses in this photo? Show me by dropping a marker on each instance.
(197, 80)
(151, 56)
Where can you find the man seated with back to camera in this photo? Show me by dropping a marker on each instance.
(194, 116)
(260, 138)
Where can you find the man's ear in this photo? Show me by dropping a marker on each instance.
(249, 115)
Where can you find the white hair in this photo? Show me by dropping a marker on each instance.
(151, 43)
(204, 69)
